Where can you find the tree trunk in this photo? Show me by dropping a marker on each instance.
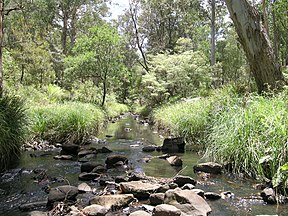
(213, 44)
(275, 34)
(133, 14)
(1, 44)
(258, 50)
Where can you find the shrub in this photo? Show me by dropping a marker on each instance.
(68, 122)
(12, 128)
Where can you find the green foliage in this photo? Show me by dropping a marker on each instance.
(178, 75)
(12, 128)
(86, 92)
(97, 57)
(68, 122)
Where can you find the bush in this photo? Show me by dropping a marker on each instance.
(68, 122)
(12, 128)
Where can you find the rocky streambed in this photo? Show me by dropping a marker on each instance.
(124, 172)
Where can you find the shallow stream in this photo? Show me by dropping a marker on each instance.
(126, 136)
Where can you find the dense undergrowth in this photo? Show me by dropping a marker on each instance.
(247, 132)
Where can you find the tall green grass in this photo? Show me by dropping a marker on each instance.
(251, 135)
(12, 128)
(248, 132)
(188, 119)
(67, 122)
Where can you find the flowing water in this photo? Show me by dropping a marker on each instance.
(21, 185)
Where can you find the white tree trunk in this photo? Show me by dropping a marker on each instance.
(254, 39)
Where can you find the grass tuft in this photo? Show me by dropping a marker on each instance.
(68, 122)
(12, 128)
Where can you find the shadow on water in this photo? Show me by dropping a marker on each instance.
(127, 137)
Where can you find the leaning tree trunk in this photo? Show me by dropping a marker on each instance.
(254, 39)
(1, 44)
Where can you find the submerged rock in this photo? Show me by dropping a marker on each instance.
(175, 161)
(209, 167)
(33, 205)
(150, 148)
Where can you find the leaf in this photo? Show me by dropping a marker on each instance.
(284, 167)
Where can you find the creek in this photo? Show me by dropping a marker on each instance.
(20, 185)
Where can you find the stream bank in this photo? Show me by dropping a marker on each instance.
(38, 173)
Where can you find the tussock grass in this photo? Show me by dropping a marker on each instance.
(71, 121)
(251, 136)
(12, 128)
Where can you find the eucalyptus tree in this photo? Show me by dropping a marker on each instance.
(255, 42)
(97, 57)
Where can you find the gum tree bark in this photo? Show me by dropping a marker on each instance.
(254, 39)
(1, 44)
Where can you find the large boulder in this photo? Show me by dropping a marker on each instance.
(139, 189)
(61, 193)
(114, 159)
(187, 201)
(166, 210)
(209, 167)
(175, 161)
(113, 201)
(173, 145)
